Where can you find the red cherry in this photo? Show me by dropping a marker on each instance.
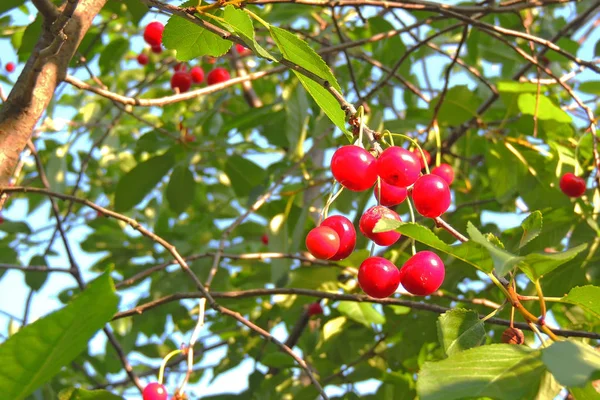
(417, 153)
(398, 166)
(241, 49)
(142, 59)
(189, 138)
(265, 239)
(182, 81)
(422, 274)
(572, 185)
(445, 171)
(314, 309)
(180, 67)
(322, 242)
(378, 277)
(10, 67)
(153, 33)
(211, 60)
(354, 168)
(390, 195)
(370, 218)
(154, 391)
(1, 219)
(217, 75)
(431, 196)
(157, 49)
(197, 74)
(346, 232)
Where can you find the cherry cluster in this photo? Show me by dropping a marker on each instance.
(182, 79)
(395, 175)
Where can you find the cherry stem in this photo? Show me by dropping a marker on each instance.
(161, 371)
(512, 317)
(330, 200)
(494, 312)
(361, 117)
(537, 332)
(438, 144)
(538, 288)
(412, 219)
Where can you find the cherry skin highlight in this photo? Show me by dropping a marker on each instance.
(154, 391)
(322, 242)
(314, 309)
(10, 67)
(431, 196)
(181, 80)
(422, 274)
(142, 59)
(153, 33)
(378, 277)
(217, 75)
(390, 195)
(572, 185)
(444, 171)
(346, 232)
(370, 218)
(354, 168)
(417, 153)
(398, 166)
(197, 74)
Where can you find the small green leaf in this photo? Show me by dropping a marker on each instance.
(35, 280)
(459, 330)
(532, 227)
(30, 37)
(363, 313)
(503, 260)
(181, 189)
(277, 360)
(243, 174)
(82, 394)
(499, 371)
(572, 363)
(546, 109)
(38, 351)
(191, 40)
(112, 54)
(460, 105)
(535, 265)
(240, 23)
(137, 9)
(6, 5)
(137, 183)
(591, 87)
(333, 327)
(586, 297)
(518, 87)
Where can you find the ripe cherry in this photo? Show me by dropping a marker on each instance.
(431, 196)
(217, 75)
(314, 309)
(197, 74)
(240, 49)
(322, 242)
(417, 153)
(378, 277)
(390, 195)
(422, 274)
(346, 232)
(10, 67)
(370, 218)
(180, 67)
(182, 81)
(189, 138)
(153, 33)
(142, 59)
(265, 239)
(354, 168)
(445, 171)
(398, 166)
(154, 391)
(572, 185)
(157, 49)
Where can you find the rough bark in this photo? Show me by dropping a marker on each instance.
(35, 86)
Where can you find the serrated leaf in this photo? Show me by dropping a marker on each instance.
(532, 227)
(243, 174)
(546, 109)
(469, 252)
(572, 363)
(112, 54)
(137, 183)
(499, 371)
(363, 313)
(38, 351)
(503, 260)
(82, 394)
(586, 297)
(536, 265)
(181, 189)
(191, 40)
(459, 330)
(240, 23)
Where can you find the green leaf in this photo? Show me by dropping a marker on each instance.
(363, 313)
(112, 54)
(191, 40)
(181, 189)
(137, 9)
(82, 394)
(532, 227)
(588, 392)
(299, 52)
(38, 351)
(572, 363)
(6, 5)
(503, 260)
(277, 360)
(499, 371)
(137, 183)
(535, 265)
(546, 109)
(459, 330)
(333, 327)
(460, 105)
(35, 280)
(240, 23)
(469, 252)
(518, 87)
(243, 174)
(586, 297)
(30, 37)
(591, 87)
